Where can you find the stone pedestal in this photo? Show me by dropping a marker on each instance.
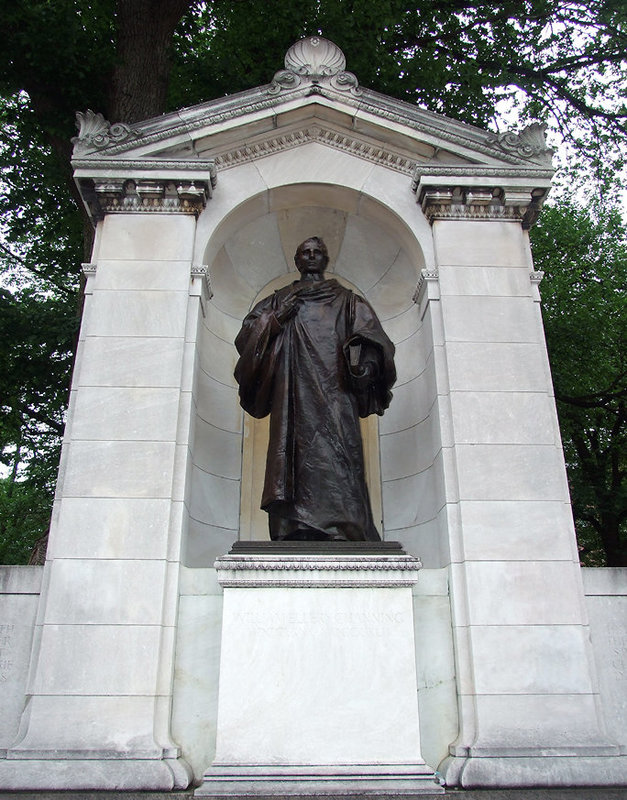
(317, 677)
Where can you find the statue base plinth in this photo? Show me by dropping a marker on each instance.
(250, 780)
(318, 686)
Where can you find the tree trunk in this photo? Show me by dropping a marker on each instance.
(615, 548)
(140, 78)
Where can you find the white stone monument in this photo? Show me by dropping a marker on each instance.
(197, 215)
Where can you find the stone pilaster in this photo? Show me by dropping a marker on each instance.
(101, 683)
(525, 681)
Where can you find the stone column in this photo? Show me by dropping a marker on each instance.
(100, 684)
(527, 695)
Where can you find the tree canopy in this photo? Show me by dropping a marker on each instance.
(583, 253)
(561, 62)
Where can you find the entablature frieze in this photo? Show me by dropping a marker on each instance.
(141, 186)
(479, 195)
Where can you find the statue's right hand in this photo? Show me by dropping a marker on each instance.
(287, 309)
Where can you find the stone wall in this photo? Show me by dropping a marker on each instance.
(19, 596)
(606, 602)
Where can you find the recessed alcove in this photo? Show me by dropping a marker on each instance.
(249, 255)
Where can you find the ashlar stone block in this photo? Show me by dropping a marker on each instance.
(511, 472)
(105, 528)
(146, 237)
(105, 592)
(98, 660)
(523, 593)
(504, 418)
(129, 361)
(497, 367)
(125, 275)
(125, 413)
(479, 243)
(490, 319)
(507, 530)
(119, 469)
(137, 313)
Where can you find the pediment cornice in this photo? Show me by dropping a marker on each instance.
(314, 76)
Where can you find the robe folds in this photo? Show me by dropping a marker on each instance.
(305, 373)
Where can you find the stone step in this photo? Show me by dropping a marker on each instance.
(584, 793)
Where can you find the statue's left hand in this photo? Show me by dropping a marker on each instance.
(363, 374)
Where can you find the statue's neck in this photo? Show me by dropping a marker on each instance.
(311, 277)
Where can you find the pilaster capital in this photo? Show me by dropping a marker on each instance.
(201, 285)
(428, 283)
(536, 278)
(89, 273)
(118, 186)
(515, 196)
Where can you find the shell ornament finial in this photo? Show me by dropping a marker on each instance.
(316, 61)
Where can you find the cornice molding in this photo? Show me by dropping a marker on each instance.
(163, 166)
(317, 571)
(314, 68)
(430, 170)
(433, 126)
(360, 147)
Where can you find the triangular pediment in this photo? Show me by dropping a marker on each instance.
(312, 99)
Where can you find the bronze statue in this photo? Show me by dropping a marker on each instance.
(314, 356)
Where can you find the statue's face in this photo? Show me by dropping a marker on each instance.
(311, 257)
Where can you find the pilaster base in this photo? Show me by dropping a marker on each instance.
(19, 774)
(542, 771)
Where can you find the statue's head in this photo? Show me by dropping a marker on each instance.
(312, 255)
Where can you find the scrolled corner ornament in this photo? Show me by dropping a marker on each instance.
(346, 82)
(529, 144)
(95, 132)
(283, 79)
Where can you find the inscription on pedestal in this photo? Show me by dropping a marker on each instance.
(348, 623)
(7, 637)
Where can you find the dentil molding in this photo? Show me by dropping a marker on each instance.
(315, 571)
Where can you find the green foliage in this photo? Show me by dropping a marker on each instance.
(558, 61)
(40, 247)
(583, 253)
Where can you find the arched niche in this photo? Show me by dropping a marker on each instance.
(250, 253)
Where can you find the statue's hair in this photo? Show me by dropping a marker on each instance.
(319, 241)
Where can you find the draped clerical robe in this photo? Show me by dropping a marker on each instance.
(305, 373)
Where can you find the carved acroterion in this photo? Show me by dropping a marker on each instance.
(315, 61)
